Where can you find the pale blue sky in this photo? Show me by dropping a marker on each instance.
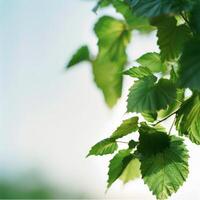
(51, 117)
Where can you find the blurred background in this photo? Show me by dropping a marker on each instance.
(50, 117)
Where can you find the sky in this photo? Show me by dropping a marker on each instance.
(49, 116)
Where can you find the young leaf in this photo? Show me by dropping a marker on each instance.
(106, 146)
(189, 72)
(138, 72)
(107, 67)
(118, 164)
(152, 61)
(153, 8)
(82, 54)
(131, 172)
(150, 116)
(147, 96)
(113, 37)
(187, 121)
(166, 171)
(171, 38)
(128, 126)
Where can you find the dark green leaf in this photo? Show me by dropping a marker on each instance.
(152, 8)
(134, 22)
(171, 38)
(152, 141)
(166, 171)
(189, 73)
(188, 119)
(132, 144)
(148, 96)
(82, 54)
(107, 146)
(194, 18)
(128, 126)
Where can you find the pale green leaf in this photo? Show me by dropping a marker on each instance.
(128, 126)
(118, 164)
(131, 172)
(149, 116)
(138, 72)
(113, 37)
(106, 146)
(152, 61)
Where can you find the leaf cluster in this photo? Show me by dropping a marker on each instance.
(159, 90)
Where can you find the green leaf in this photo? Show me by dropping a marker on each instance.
(101, 4)
(132, 144)
(128, 126)
(189, 72)
(138, 72)
(153, 8)
(174, 106)
(148, 96)
(152, 141)
(187, 120)
(166, 171)
(153, 62)
(108, 66)
(106, 146)
(171, 38)
(194, 18)
(82, 54)
(150, 116)
(117, 165)
(113, 37)
(131, 172)
(134, 22)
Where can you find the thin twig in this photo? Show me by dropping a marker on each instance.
(121, 142)
(165, 118)
(172, 126)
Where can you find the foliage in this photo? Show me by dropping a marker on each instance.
(160, 80)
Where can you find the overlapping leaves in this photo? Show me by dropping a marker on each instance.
(187, 121)
(153, 8)
(158, 91)
(171, 38)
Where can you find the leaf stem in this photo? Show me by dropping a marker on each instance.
(165, 118)
(121, 142)
(172, 126)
